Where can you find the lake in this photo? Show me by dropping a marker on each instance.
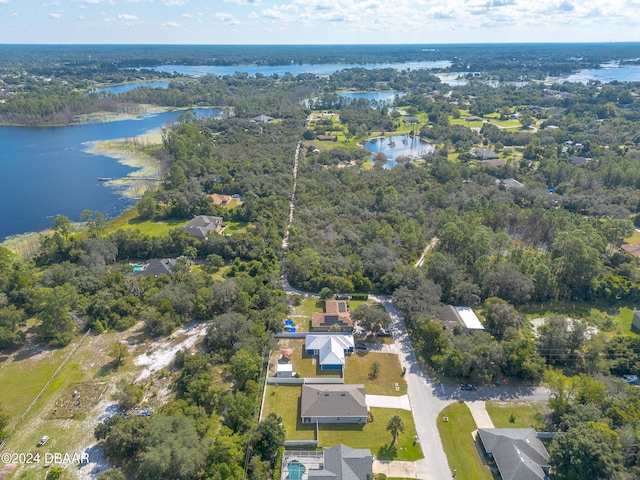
(294, 69)
(47, 171)
(125, 87)
(398, 146)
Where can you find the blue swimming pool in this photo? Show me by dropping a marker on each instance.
(296, 470)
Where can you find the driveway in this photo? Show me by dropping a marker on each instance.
(388, 401)
(479, 413)
(429, 398)
(394, 469)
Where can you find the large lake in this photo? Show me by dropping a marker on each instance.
(47, 171)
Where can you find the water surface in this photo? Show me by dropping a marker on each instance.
(48, 171)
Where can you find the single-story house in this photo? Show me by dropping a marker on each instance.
(335, 463)
(327, 138)
(156, 266)
(262, 119)
(518, 452)
(462, 316)
(484, 154)
(411, 120)
(219, 199)
(333, 403)
(508, 183)
(202, 225)
(474, 118)
(331, 349)
(336, 312)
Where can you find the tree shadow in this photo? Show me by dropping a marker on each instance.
(387, 452)
(108, 368)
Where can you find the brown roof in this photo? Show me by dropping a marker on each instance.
(336, 312)
(220, 199)
(632, 249)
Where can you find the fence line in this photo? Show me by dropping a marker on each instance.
(35, 400)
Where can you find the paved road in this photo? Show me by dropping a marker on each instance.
(428, 398)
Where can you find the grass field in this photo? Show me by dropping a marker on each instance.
(390, 372)
(525, 415)
(459, 445)
(285, 401)
(374, 436)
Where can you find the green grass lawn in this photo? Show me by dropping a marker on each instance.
(390, 372)
(374, 436)
(525, 414)
(285, 401)
(236, 227)
(306, 365)
(154, 229)
(462, 452)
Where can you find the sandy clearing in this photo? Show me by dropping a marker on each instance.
(163, 352)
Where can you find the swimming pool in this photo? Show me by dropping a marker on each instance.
(296, 470)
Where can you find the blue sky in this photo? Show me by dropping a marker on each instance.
(318, 21)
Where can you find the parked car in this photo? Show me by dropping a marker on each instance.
(362, 346)
(467, 386)
(43, 440)
(630, 379)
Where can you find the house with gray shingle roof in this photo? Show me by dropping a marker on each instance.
(518, 452)
(262, 119)
(156, 266)
(333, 403)
(202, 225)
(344, 463)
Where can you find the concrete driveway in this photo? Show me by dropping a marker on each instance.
(388, 401)
(394, 469)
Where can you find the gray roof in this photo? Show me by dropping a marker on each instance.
(344, 463)
(201, 225)
(484, 153)
(157, 266)
(575, 160)
(518, 452)
(509, 183)
(334, 400)
(262, 119)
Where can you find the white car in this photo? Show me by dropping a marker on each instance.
(43, 440)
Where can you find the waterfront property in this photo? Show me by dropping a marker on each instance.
(333, 403)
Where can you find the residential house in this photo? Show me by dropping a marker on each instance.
(333, 403)
(335, 463)
(508, 183)
(202, 225)
(496, 162)
(155, 267)
(474, 118)
(633, 250)
(484, 154)
(461, 316)
(335, 316)
(326, 138)
(219, 199)
(518, 452)
(262, 119)
(331, 349)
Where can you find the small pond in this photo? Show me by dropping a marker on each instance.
(398, 146)
(381, 97)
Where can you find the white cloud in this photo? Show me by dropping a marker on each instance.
(172, 25)
(4, 1)
(14, 14)
(81, 17)
(126, 16)
(244, 2)
(174, 3)
(186, 15)
(227, 18)
(55, 15)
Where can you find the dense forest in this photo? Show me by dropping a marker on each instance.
(359, 227)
